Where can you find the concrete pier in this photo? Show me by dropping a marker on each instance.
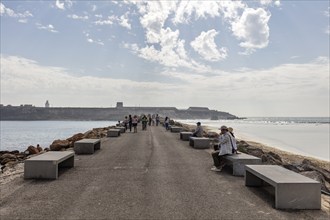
(151, 174)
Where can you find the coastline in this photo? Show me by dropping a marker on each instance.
(311, 167)
(289, 157)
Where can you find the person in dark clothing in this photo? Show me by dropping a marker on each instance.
(130, 123)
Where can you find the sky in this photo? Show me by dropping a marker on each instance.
(248, 58)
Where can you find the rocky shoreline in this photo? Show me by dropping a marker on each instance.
(12, 161)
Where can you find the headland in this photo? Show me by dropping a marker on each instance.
(30, 113)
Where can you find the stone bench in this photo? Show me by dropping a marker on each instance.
(113, 133)
(185, 135)
(87, 146)
(238, 162)
(199, 142)
(176, 129)
(46, 165)
(292, 190)
(122, 129)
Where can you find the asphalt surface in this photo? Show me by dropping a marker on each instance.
(148, 175)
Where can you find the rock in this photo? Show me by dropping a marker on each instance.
(275, 156)
(7, 155)
(32, 150)
(212, 134)
(14, 152)
(307, 165)
(74, 138)
(255, 151)
(294, 167)
(318, 177)
(57, 145)
(269, 159)
(46, 149)
(6, 160)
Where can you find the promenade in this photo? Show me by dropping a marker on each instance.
(148, 175)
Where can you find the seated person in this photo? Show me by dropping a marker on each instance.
(199, 131)
(226, 148)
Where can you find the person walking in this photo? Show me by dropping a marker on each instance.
(144, 122)
(130, 122)
(125, 122)
(135, 122)
(157, 119)
(167, 122)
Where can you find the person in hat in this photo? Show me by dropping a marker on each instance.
(199, 131)
(226, 146)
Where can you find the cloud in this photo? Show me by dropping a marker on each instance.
(327, 30)
(90, 40)
(4, 11)
(252, 28)
(171, 53)
(77, 17)
(108, 21)
(204, 45)
(49, 27)
(25, 76)
(270, 2)
(123, 21)
(327, 12)
(63, 4)
(282, 90)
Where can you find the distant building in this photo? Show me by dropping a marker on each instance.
(120, 105)
(47, 104)
(198, 109)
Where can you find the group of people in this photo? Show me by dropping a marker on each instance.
(131, 122)
(227, 145)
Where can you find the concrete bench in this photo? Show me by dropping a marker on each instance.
(238, 162)
(199, 142)
(292, 190)
(46, 165)
(113, 133)
(87, 146)
(185, 135)
(122, 129)
(176, 129)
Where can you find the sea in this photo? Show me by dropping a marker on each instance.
(308, 136)
(18, 135)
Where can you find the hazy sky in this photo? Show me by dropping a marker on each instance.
(249, 58)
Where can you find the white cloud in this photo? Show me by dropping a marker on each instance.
(23, 76)
(252, 28)
(63, 4)
(4, 11)
(327, 13)
(171, 53)
(108, 21)
(283, 90)
(123, 21)
(49, 27)
(204, 45)
(77, 17)
(327, 30)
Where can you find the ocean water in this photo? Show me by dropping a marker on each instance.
(304, 136)
(18, 135)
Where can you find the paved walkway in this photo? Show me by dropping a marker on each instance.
(148, 175)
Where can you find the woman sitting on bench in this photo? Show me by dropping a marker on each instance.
(226, 141)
